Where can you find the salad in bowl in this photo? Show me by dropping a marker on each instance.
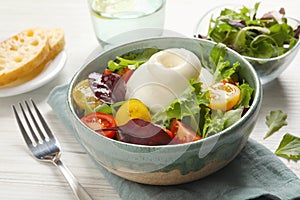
(163, 97)
(269, 41)
(164, 111)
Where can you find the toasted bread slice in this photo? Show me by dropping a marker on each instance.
(22, 53)
(56, 37)
(54, 45)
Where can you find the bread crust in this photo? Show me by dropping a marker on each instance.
(29, 51)
(56, 40)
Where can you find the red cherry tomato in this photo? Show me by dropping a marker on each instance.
(98, 120)
(126, 74)
(107, 71)
(170, 133)
(182, 133)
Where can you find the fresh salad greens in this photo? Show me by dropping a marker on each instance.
(289, 146)
(131, 60)
(189, 117)
(192, 107)
(241, 30)
(275, 121)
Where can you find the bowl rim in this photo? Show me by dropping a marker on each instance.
(256, 103)
(196, 29)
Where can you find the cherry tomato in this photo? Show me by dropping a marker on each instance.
(98, 120)
(125, 73)
(182, 133)
(107, 71)
(223, 96)
(170, 133)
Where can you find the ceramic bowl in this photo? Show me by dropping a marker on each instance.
(167, 164)
(267, 69)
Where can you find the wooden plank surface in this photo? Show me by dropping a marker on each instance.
(22, 177)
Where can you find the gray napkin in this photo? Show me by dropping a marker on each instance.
(256, 173)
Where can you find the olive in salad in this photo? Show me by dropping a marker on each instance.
(242, 30)
(163, 96)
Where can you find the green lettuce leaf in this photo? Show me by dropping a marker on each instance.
(213, 124)
(226, 71)
(217, 54)
(246, 95)
(219, 121)
(186, 107)
(132, 60)
(251, 36)
(233, 116)
(275, 121)
(221, 70)
(289, 147)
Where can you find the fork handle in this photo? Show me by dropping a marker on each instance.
(79, 192)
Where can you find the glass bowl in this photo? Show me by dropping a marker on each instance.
(267, 69)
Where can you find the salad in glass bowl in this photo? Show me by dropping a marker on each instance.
(167, 96)
(269, 42)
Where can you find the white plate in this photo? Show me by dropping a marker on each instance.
(48, 74)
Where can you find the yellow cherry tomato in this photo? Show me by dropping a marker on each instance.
(223, 96)
(83, 95)
(132, 109)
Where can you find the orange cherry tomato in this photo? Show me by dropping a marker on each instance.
(223, 96)
(98, 120)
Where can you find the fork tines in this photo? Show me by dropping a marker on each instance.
(33, 120)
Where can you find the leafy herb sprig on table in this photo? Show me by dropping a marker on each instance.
(289, 146)
(242, 31)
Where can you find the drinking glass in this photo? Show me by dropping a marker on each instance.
(120, 21)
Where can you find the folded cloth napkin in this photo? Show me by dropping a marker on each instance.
(256, 173)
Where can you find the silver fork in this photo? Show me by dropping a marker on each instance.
(44, 145)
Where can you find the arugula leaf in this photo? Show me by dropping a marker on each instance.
(275, 121)
(262, 46)
(289, 147)
(281, 33)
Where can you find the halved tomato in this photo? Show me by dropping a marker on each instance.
(182, 133)
(98, 120)
(223, 96)
(127, 74)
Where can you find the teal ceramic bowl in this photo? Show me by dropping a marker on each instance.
(167, 164)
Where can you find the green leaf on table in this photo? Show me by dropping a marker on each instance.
(275, 121)
(289, 147)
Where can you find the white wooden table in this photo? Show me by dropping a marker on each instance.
(22, 177)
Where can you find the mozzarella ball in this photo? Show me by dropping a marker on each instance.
(163, 78)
